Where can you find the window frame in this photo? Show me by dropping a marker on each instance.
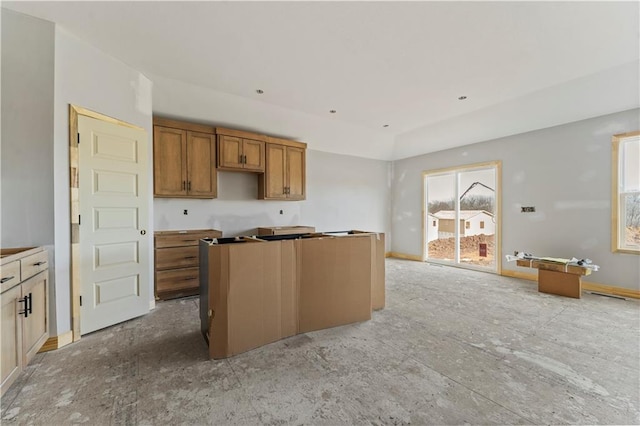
(497, 219)
(617, 193)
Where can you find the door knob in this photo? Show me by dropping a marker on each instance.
(143, 232)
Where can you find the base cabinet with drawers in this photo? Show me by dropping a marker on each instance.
(177, 262)
(24, 280)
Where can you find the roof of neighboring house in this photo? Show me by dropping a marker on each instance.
(464, 214)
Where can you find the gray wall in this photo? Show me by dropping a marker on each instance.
(88, 78)
(347, 193)
(564, 171)
(27, 130)
(343, 192)
(44, 69)
(26, 169)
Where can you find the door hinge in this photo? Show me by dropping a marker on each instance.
(79, 219)
(80, 300)
(78, 138)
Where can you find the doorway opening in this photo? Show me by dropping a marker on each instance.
(109, 217)
(462, 216)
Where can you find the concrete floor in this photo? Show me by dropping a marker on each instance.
(452, 347)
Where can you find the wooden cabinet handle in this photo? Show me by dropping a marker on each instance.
(190, 257)
(5, 279)
(184, 185)
(40, 263)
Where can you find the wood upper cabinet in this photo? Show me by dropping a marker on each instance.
(284, 177)
(169, 158)
(184, 158)
(295, 168)
(240, 151)
(201, 171)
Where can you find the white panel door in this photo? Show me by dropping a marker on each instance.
(113, 208)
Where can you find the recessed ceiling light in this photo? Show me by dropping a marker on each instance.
(333, 111)
(259, 91)
(462, 98)
(386, 125)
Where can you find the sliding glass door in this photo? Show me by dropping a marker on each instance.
(461, 220)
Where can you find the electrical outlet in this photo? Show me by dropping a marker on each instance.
(185, 212)
(528, 209)
(281, 212)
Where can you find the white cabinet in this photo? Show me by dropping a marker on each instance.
(24, 281)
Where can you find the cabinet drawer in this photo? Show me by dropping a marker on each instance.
(31, 265)
(9, 275)
(177, 257)
(186, 239)
(177, 279)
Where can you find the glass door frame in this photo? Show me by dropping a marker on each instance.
(497, 165)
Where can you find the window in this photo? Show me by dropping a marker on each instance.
(482, 224)
(455, 200)
(625, 203)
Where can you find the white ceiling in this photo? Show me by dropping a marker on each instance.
(398, 63)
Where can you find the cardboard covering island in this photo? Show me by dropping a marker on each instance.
(257, 290)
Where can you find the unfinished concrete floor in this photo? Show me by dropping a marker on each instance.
(452, 347)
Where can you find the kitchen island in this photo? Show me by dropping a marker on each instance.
(257, 290)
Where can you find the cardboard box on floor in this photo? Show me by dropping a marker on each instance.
(378, 295)
(255, 292)
(335, 276)
(250, 294)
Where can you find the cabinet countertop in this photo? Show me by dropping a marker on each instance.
(8, 255)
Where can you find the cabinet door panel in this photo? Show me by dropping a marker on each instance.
(295, 173)
(229, 152)
(11, 361)
(253, 152)
(201, 179)
(275, 173)
(35, 329)
(169, 162)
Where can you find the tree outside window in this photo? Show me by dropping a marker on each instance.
(626, 193)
